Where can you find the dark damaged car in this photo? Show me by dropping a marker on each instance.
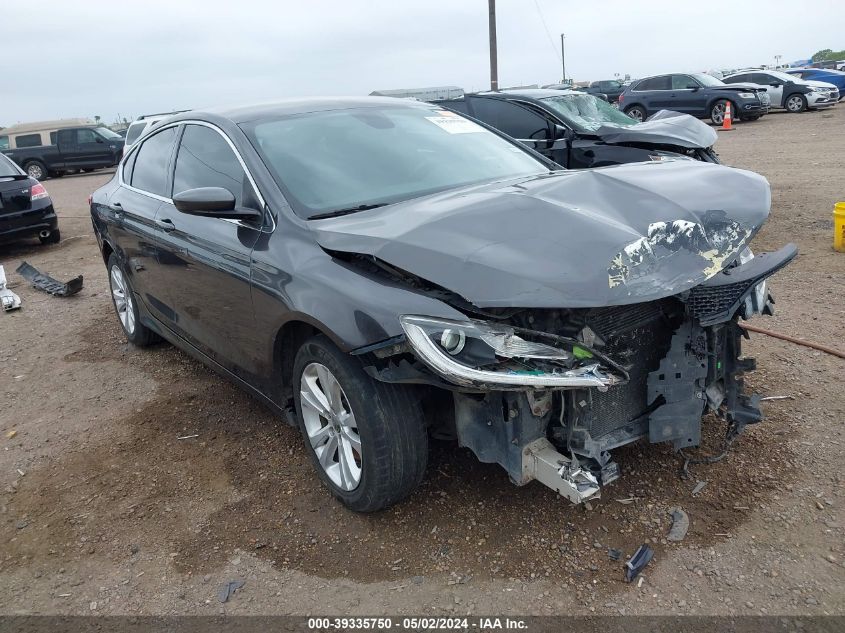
(578, 130)
(385, 270)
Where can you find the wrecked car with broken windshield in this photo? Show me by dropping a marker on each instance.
(383, 271)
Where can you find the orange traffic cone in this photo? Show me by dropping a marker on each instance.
(727, 119)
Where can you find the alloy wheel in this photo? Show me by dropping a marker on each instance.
(330, 426)
(636, 114)
(35, 171)
(122, 297)
(794, 104)
(718, 113)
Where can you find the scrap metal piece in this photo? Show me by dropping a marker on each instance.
(229, 588)
(46, 283)
(638, 562)
(9, 299)
(680, 525)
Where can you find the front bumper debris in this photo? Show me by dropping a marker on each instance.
(680, 356)
(49, 285)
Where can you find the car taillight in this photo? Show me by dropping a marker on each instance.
(621, 98)
(90, 198)
(37, 192)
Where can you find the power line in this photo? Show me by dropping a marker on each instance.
(546, 29)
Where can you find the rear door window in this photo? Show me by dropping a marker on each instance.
(4, 142)
(655, 83)
(512, 119)
(206, 159)
(28, 140)
(150, 170)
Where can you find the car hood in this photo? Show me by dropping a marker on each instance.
(663, 128)
(737, 87)
(818, 84)
(590, 238)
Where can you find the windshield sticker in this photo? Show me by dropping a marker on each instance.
(455, 124)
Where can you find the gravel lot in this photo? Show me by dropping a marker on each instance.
(104, 510)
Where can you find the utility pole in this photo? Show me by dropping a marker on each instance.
(777, 60)
(563, 55)
(494, 63)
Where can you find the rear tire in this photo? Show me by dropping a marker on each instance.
(795, 103)
(126, 306)
(637, 113)
(36, 169)
(54, 237)
(366, 439)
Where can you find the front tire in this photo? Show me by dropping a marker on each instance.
(795, 103)
(366, 439)
(126, 306)
(717, 112)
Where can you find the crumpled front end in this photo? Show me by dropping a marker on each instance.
(548, 393)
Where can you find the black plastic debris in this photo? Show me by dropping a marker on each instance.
(46, 283)
(614, 554)
(229, 588)
(638, 561)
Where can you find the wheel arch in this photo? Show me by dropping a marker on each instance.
(289, 338)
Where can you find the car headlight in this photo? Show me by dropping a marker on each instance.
(820, 89)
(746, 95)
(480, 354)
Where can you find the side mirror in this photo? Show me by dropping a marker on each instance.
(99, 139)
(563, 133)
(213, 202)
(775, 84)
(692, 87)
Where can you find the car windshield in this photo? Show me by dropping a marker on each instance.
(106, 132)
(586, 113)
(340, 160)
(779, 75)
(707, 80)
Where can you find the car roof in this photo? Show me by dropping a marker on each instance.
(246, 113)
(534, 93)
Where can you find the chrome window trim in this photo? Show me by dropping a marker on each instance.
(234, 149)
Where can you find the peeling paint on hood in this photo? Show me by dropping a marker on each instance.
(663, 128)
(560, 240)
(715, 241)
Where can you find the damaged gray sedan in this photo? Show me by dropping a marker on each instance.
(382, 271)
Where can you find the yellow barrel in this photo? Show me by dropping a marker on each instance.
(839, 227)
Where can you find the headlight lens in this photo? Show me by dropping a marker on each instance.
(746, 95)
(479, 353)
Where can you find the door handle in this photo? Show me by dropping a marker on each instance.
(118, 210)
(166, 224)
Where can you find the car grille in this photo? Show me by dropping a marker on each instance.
(705, 302)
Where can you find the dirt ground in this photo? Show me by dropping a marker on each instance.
(104, 509)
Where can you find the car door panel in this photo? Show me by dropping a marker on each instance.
(205, 261)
